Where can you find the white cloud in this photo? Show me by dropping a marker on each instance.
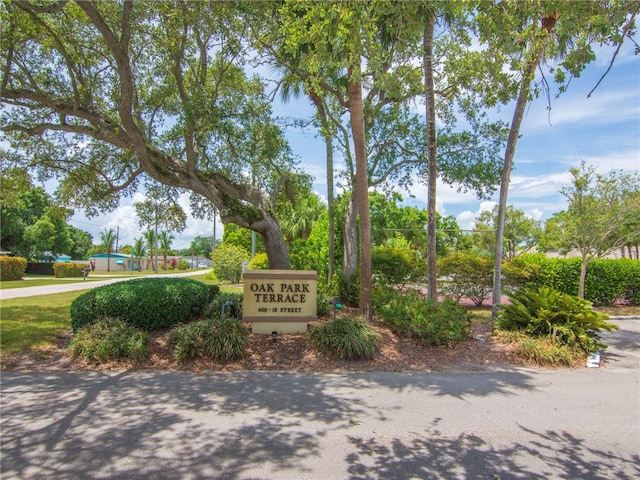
(467, 219)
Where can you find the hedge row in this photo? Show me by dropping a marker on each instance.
(146, 303)
(12, 268)
(608, 280)
(69, 270)
(40, 268)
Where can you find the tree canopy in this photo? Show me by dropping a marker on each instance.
(104, 96)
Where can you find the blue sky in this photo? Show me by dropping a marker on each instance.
(603, 130)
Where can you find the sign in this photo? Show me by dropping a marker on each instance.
(280, 301)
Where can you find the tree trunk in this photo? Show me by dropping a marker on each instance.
(362, 188)
(350, 240)
(274, 244)
(332, 225)
(583, 275)
(432, 151)
(512, 140)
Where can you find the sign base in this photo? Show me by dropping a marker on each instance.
(267, 328)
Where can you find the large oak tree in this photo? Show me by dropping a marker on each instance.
(104, 95)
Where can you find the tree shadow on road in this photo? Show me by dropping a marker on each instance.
(553, 454)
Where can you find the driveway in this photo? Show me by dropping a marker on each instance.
(502, 424)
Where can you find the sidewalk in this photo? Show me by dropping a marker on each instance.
(82, 285)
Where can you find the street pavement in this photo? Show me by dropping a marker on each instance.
(515, 423)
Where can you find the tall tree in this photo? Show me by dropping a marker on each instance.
(107, 241)
(151, 241)
(522, 35)
(521, 233)
(140, 249)
(165, 240)
(600, 209)
(142, 89)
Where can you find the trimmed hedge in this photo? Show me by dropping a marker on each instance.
(40, 268)
(12, 268)
(146, 303)
(608, 280)
(69, 270)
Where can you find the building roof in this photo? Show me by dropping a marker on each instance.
(112, 255)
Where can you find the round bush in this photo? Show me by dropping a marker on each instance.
(146, 303)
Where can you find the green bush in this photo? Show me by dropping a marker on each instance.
(410, 313)
(393, 265)
(227, 262)
(12, 268)
(259, 262)
(40, 268)
(467, 275)
(607, 281)
(348, 338)
(221, 339)
(349, 290)
(69, 270)
(547, 312)
(146, 303)
(523, 272)
(214, 290)
(226, 304)
(631, 293)
(110, 339)
(183, 264)
(542, 351)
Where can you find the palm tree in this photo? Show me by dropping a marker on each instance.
(299, 222)
(107, 239)
(140, 248)
(150, 239)
(165, 239)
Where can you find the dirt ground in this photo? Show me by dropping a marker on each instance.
(292, 353)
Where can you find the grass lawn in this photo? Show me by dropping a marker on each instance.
(34, 322)
(31, 323)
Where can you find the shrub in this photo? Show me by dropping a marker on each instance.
(12, 268)
(227, 262)
(226, 304)
(607, 280)
(40, 268)
(183, 264)
(349, 289)
(392, 264)
(547, 312)
(542, 351)
(468, 275)
(523, 272)
(69, 270)
(221, 339)
(409, 313)
(259, 262)
(348, 338)
(214, 290)
(146, 303)
(110, 339)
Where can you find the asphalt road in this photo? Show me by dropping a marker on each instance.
(503, 424)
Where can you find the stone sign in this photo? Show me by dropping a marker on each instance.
(281, 301)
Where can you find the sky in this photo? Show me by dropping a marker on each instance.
(603, 131)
